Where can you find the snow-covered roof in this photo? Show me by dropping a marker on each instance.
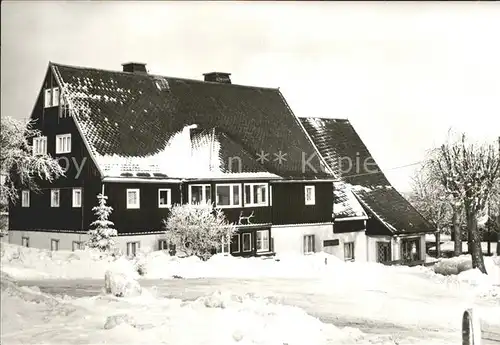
(139, 123)
(349, 158)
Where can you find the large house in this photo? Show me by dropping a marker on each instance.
(148, 142)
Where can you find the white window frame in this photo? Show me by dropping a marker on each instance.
(306, 242)
(204, 192)
(52, 246)
(239, 244)
(163, 247)
(231, 195)
(47, 100)
(270, 195)
(55, 96)
(39, 146)
(169, 198)
(77, 245)
(353, 256)
(313, 195)
(264, 248)
(252, 203)
(25, 198)
(243, 242)
(77, 203)
(136, 244)
(25, 241)
(53, 203)
(136, 205)
(63, 146)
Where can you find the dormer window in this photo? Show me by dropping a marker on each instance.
(51, 97)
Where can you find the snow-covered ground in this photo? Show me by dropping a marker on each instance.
(425, 304)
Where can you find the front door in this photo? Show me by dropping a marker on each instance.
(383, 252)
(247, 246)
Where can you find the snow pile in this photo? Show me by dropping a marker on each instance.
(454, 265)
(458, 272)
(121, 284)
(159, 265)
(29, 316)
(33, 263)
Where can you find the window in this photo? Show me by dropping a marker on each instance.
(308, 244)
(164, 198)
(132, 248)
(310, 197)
(256, 194)
(77, 245)
(39, 146)
(228, 195)
(133, 198)
(262, 240)
(235, 244)
(247, 242)
(25, 198)
(224, 247)
(55, 196)
(383, 252)
(349, 251)
(48, 98)
(162, 245)
(54, 245)
(25, 241)
(55, 97)
(63, 143)
(77, 197)
(199, 193)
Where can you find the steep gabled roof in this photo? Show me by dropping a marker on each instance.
(346, 154)
(142, 122)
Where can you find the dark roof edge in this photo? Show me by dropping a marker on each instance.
(145, 75)
(77, 124)
(311, 141)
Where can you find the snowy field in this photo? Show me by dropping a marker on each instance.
(239, 301)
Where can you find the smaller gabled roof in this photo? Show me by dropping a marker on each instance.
(346, 154)
(345, 204)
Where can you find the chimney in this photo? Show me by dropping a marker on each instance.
(218, 77)
(135, 67)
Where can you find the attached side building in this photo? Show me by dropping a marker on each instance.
(395, 229)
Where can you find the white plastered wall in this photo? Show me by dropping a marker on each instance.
(42, 239)
(290, 240)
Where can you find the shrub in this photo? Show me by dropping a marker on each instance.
(197, 229)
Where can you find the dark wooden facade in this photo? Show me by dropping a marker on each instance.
(80, 172)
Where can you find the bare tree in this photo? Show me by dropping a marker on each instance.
(469, 172)
(430, 199)
(17, 162)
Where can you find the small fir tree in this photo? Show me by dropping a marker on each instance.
(100, 236)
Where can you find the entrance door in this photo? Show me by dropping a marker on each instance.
(247, 243)
(383, 252)
(410, 250)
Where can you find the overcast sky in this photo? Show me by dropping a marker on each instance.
(402, 73)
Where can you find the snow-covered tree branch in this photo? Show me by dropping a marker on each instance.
(198, 229)
(17, 162)
(469, 173)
